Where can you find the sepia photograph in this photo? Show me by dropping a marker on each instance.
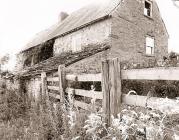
(89, 70)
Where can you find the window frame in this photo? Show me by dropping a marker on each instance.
(151, 8)
(151, 47)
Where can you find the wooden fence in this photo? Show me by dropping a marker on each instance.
(84, 93)
(110, 78)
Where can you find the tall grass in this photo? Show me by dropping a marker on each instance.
(24, 119)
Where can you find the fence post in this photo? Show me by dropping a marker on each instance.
(111, 88)
(44, 83)
(62, 82)
(106, 92)
(115, 87)
(43, 94)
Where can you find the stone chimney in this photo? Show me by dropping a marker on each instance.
(62, 16)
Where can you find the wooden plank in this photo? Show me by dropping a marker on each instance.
(53, 79)
(85, 93)
(53, 88)
(118, 87)
(152, 102)
(89, 77)
(55, 74)
(44, 85)
(151, 74)
(84, 77)
(112, 83)
(82, 105)
(69, 90)
(61, 75)
(115, 87)
(71, 77)
(106, 91)
(56, 96)
(134, 74)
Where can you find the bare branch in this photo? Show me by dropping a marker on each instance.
(4, 59)
(175, 3)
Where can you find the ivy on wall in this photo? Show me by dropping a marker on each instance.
(40, 53)
(46, 50)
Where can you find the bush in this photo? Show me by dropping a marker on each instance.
(152, 88)
(21, 118)
(12, 106)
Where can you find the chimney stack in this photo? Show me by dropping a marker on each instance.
(62, 16)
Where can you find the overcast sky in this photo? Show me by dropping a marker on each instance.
(22, 19)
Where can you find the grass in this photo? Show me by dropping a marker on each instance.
(24, 119)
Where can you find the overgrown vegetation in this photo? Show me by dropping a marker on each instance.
(36, 55)
(50, 120)
(22, 117)
(162, 89)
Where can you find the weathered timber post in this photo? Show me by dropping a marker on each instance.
(115, 92)
(62, 82)
(111, 86)
(43, 87)
(106, 92)
(44, 83)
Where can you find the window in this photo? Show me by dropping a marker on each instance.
(148, 8)
(149, 45)
(76, 43)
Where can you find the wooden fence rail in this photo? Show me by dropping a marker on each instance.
(84, 77)
(53, 79)
(53, 88)
(111, 94)
(85, 93)
(151, 74)
(133, 74)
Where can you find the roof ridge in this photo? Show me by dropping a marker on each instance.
(82, 17)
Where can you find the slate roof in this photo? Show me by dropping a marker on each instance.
(78, 19)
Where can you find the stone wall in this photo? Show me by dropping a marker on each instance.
(89, 65)
(93, 34)
(27, 58)
(12, 84)
(129, 30)
(33, 87)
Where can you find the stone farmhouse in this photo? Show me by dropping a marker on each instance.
(132, 30)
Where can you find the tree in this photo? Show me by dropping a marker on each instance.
(4, 59)
(176, 3)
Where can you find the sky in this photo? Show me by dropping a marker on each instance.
(22, 19)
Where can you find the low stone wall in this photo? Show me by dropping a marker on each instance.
(29, 86)
(33, 87)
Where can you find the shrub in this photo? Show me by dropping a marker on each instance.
(12, 106)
